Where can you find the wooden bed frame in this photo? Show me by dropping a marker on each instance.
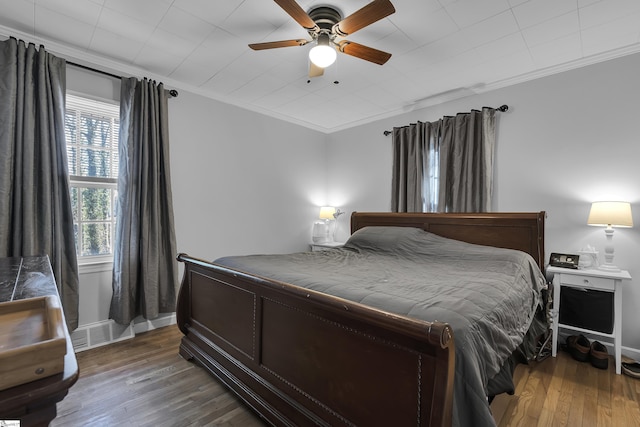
(300, 357)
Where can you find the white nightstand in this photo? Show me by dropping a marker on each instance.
(315, 247)
(590, 279)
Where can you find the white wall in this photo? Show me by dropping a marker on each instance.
(567, 140)
(242, 182)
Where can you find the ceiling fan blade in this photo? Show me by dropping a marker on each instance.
(297, 13)
(282, 43)
(374, 11)
(314, 70)
(364, 52)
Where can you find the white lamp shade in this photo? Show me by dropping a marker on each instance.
(326, 212)
(323, 55)
(615, 214)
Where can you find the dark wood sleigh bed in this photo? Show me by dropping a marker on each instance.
(300, 357)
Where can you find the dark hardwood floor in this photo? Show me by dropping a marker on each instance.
(143, 382)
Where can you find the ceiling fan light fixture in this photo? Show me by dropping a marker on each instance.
(327, 26)
(323, 54)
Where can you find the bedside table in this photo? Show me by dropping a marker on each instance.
(599, 280)
(315, 247)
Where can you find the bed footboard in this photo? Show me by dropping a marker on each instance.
(299, 357)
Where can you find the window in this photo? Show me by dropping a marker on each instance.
(431, 180)
(91, 130)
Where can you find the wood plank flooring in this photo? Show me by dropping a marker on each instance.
(143, 382)
(563, 392)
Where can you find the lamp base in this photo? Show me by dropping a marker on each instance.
(608, 252)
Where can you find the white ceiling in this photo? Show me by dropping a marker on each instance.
(442, 49)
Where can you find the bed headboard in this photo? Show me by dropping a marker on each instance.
(523, 231)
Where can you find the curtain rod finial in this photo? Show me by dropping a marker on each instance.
(503, 108)
(173, 93)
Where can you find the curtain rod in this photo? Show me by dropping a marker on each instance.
(172, 92)
(502, 108)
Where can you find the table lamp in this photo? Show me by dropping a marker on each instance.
(322, 232)
(610, 214)
(327, 212)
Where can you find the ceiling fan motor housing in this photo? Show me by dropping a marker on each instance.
(325, 18)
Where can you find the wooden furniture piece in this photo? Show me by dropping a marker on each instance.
(32, 340)
(34, 403)
(300, 357)
(599, 280)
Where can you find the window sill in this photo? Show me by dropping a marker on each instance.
(95, 266)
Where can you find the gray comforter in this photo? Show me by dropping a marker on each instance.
(488, 295)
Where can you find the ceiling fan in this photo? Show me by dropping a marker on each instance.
(326, 26)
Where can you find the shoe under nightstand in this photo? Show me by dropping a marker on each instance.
(599, 280)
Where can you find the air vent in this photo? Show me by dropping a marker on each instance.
(107, 332)
(80, 339)
(99, 334)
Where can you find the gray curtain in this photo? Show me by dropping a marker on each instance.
(466, 162)
(35, 207)
(415, 159)
(145, 275)
(445, 166)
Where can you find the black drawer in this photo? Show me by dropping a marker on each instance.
(586, 308)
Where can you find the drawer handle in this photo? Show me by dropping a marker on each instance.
(586, 281)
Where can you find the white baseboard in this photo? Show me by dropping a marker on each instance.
(633, 353)
(106, 332)
(141, 325)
